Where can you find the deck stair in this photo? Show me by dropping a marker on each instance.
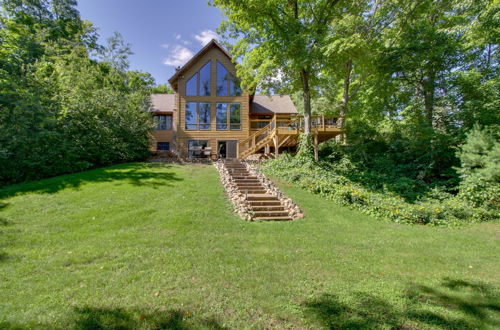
(264, 206)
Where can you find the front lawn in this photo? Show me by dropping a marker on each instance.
(149, 245)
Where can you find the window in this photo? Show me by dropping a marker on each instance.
(204, 116)
(234, 86)
(221, 116)
(205, 80)
(222, 80)
(191, 85)
(233, 117)
(198, 149)
(227, 84)
(162, 122)
(199, 83)
(197, 116)
(162, 146)
(191, 115)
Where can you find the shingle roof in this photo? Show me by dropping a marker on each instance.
(162, 102)
(272, 104)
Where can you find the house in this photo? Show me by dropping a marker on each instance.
(210, 116)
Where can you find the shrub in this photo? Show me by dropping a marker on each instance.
(325, 179)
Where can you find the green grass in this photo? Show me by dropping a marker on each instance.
(156, 246)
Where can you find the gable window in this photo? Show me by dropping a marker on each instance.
(222, 80)
(228, 119)
(162, 122)
(191, 85)
(199, 83)
(163, 146)
(205, 80)
(197, 116)
(227, 84)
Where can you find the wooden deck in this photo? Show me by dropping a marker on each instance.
(284, 131)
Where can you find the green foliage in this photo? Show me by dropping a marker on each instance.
(305, 149)
(480, 168)
(62, 111)
(162, 89)
(332, 181)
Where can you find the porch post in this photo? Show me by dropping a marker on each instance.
(276, 145)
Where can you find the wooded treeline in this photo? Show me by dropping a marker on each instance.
(417, 80)
(66, 103)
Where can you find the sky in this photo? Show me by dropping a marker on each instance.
(163, 33)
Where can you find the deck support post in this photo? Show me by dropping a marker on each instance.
(267, 149)
(315, 145)
(276, 146)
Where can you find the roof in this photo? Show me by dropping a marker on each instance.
(272, 104)
(162, 102)
(194, 59)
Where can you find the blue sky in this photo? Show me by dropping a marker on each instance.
(163, 33)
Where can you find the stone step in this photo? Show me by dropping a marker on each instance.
(271, 213)
(240, 177)
(261, 197)
(250, 187)
(247, 182)
(248, 191)
(284, 218)
(268, 208)
(265, 203)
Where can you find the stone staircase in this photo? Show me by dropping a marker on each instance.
(265, 206)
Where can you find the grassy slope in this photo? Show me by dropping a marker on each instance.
(154, 245)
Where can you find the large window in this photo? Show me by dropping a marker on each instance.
(235, 116)
(162, 122)
(191, 115)
(228, 116)
(205, 80)
(227, 84)
(162, 146)
(198, 149)
(191, 85)
(222, 80)
(221, 116)
(204, 116)
(199, 83)
(197, 116)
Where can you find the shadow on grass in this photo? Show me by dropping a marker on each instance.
(88, 318)
(136, 174)
(454, 304)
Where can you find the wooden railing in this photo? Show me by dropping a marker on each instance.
(286, 125)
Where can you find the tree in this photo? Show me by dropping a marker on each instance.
(162, 89)
(280, 44)
(116, 52)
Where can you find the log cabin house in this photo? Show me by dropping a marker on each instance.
(210, 116)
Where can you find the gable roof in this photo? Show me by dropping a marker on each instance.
(162, 102)
(194, 59)
(272, 104)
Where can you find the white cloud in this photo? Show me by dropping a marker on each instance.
(178, 56)
(165, 46)
(205, 36)
(177, 36)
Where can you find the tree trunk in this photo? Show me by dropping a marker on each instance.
(345, 97)
(429, 87)
(347, 83)
(307, 101)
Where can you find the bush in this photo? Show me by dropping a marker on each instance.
(327, 180)
(480, 168)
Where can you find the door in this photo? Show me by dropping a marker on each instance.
(232, 149)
